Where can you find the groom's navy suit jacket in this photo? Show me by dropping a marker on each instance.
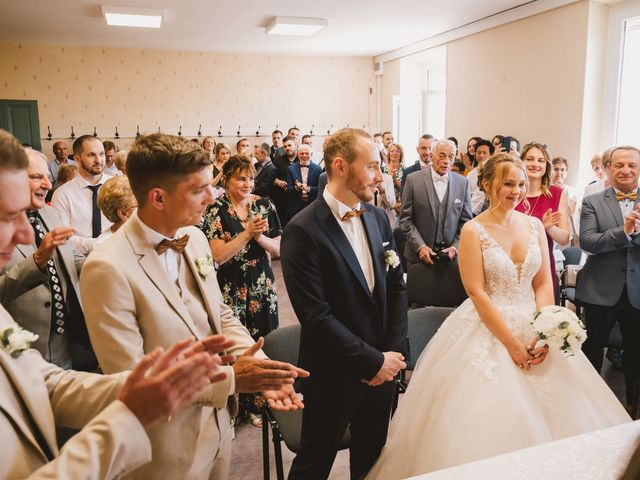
(345, 328)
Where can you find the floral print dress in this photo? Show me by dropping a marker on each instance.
(246, 280)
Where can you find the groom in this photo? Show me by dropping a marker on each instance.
(352, 306)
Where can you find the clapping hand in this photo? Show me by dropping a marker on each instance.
(164, 382)
(632, 222)
(51, 241)
(393, 363)
(551, 218)
(256, 226)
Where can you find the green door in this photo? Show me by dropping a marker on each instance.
(20, 118)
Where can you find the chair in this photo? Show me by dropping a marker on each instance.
(283, 345)
(423, 323)
(436, 285)
(572, 256)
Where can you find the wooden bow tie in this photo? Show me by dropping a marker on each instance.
(633, 196)
(352, 213)
(178, 245)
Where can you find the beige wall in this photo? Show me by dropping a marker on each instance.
(105, 87)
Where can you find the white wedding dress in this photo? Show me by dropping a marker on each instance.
(467, 400)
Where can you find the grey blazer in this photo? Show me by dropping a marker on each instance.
(615, 261)
(24, 289)
(418, 214)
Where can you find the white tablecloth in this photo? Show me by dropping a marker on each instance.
(599, 455)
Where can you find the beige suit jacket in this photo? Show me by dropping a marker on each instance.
(131, 307)
(36, 395)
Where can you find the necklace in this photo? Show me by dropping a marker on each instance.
(531, 209)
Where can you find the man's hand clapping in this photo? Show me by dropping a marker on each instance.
(393, 363)
(632, 222)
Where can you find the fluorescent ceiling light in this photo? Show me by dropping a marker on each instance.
(133, 17)
(296, 26)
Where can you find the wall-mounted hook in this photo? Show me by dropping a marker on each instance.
(258, 131)
(95, 133)
(199, 130)
(158, 128)
(220, 131)
(73, 135)
(137, 131)
(311, 131)
(329, 131)
(180, 131)
(238, 132)
(117, 134)
(49, 136)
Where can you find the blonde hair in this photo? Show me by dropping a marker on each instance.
(493, 172)
(121, 160)
(114, 195)
(66, 173)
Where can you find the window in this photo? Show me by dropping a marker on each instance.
(627, 132)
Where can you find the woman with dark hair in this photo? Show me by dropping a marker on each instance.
(469, 158)
(242, 230)
(221, 154)
(545, 201)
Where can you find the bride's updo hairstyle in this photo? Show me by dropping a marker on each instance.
(492, 173)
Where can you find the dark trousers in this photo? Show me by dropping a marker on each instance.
(600, 320)
(329, 409)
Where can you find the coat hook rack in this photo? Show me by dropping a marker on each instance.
(49, 136)
(258, 131)
(73, 135)
(220, 131)
(158, 128)
(137, 131)
(95, 133)
(311, 131)
(117, 135)
(329, 131)
(199, 131)
(180, 131)
(238, 132)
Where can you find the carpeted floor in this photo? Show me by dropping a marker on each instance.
(246, 461)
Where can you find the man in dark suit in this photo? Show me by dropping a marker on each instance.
(435, 205)
(280, 191)
(39, 286)
(424, 162)
(302, 179)
(609, 283)
(265, 171)
(276, 148)
(351, 301)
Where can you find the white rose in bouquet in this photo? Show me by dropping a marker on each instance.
(559, 328)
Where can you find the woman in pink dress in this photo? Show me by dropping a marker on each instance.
(545, 201)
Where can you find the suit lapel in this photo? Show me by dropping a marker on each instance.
(431, 192)
(150, 263)
(330, 225)
(190, 256)
(614, 205)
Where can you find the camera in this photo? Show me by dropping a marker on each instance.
(440, 255)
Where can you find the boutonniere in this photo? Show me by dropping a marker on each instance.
(16, 340)
(204, 265)
(391, 259)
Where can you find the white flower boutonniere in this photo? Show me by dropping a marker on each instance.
(205, 266)
(16, 340)
(391, 259)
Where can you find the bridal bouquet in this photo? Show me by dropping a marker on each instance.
(559, 328)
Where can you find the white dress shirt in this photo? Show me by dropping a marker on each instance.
(440, 183)
(477, 195)
(356, 236)
(170, 259)
(73, 201)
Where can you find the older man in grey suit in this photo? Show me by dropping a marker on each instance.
(609, 283)
(40, 287)
(435, 205)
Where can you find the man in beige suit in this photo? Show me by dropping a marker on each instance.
(153, 282)
(114, 410)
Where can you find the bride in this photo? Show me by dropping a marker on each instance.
(480, 388)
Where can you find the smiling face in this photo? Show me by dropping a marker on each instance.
(39, 183)
(559, 173)
(395, 156)
(209, 144)
(482, 153)
(424, 149)
(239, 186)
(14, 201)
(535, 163)
(624, 170)
(511, 190)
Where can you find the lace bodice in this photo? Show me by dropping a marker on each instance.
(507, 282)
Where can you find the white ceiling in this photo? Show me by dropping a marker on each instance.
(359, 28)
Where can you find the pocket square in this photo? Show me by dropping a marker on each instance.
(385, 244)
(457, 200)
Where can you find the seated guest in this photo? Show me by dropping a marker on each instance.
(60, 151)
(114, 411)
(609, 284)
(120, 162)
(302, 180)
(435, 205)
(110, 151)
(66, 173)
(157, 284)
(77, 200)
(424, 161)
(39, 285)
(117, 202)
(483, 149)
(243, 229)
(265, 171)
(243, 146)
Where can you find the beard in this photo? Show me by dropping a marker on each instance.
(363, 192)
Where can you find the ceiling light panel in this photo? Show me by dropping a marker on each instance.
(133, 17)
(296, 26)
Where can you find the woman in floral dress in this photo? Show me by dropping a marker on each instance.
(242, 228)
